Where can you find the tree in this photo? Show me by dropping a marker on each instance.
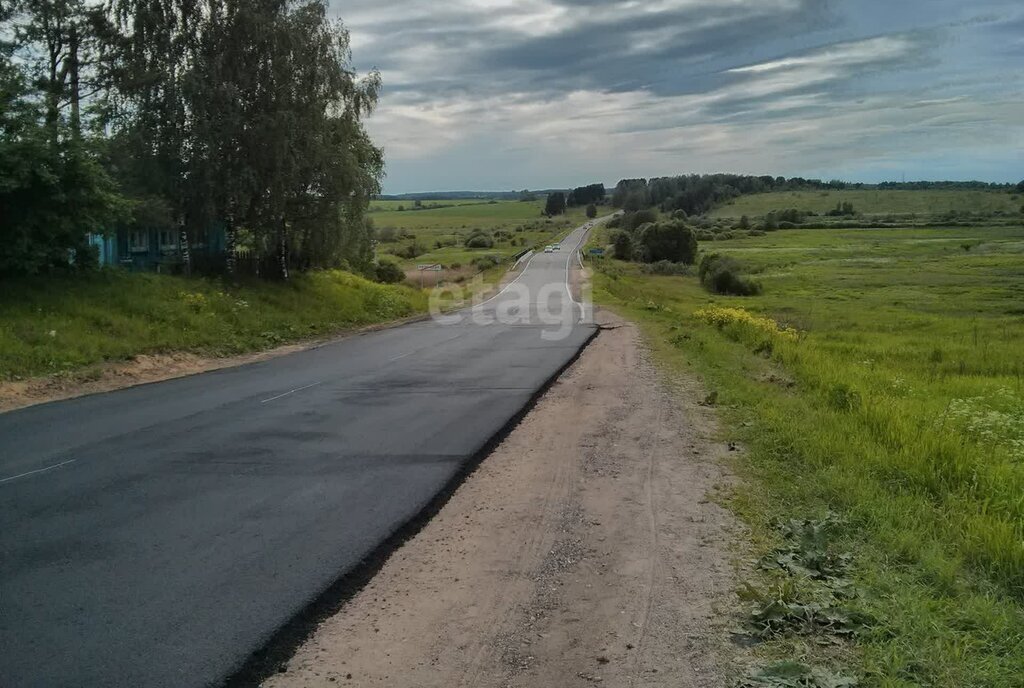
(622, 245)
(635, 200)
(591, 211)
(555, 204)
(671, 241)
(247, 113)
(53, 189)
(583, 195)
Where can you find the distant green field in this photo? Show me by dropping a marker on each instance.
(439, 234)
(461, 215)
(379, 206)
(899, 405)
(874, 202)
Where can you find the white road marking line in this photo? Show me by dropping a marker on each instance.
(292, 391)
(38, 470)
(429, 346)
(568, 260)
(525, 268)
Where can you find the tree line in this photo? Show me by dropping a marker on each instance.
(242, 117)
(696, 194)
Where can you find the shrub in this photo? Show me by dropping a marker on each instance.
(615, 222)
(622, 244)
(411, 251)
(478, 239)
(842, 209)
(485, 262)
(665, 267)
(387, 234)
(631, 221)
(722, 275)
(591, 211)
(672, 241)
(389, 273)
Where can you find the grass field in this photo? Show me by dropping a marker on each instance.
(439, 234)
(383, 206)
(875, 202)
(55, 325)
(900, 406)
(459, 214)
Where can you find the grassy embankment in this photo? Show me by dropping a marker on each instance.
(900, 406)
(59, 325)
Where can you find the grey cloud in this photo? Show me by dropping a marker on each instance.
(719, 80)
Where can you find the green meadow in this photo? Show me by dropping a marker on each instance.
(898, 406)
(875, 202)
(439, 235)
(383, 206)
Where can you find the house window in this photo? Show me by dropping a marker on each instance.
(138, 241)
(168, 240)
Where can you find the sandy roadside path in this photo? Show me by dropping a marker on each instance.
(583, 551)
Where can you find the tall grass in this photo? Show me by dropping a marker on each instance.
(58, 324)
(900, 404)
(874, 202)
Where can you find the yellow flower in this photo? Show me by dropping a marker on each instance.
(720, 317)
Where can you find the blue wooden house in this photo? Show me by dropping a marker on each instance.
(156, 250)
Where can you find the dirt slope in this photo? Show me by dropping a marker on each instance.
(583, 551)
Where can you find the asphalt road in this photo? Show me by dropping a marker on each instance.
(157, 535)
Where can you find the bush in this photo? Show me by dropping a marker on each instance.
(721, 275)
(387, 234)
(622, 245)
(631, 221)
(479, 239)
(485, 262)
(411, 251)
(615, 222)
(664, 267)
(389, 273)
(672, 241)
(591, 211)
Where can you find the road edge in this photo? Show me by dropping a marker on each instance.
(282, 645)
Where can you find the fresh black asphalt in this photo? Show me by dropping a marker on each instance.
(157, 535)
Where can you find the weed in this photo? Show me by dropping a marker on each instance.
(790, 674)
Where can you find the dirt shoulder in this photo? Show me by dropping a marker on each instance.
(585, 550)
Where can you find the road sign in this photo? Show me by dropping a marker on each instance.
(435, 267)
(596, 251)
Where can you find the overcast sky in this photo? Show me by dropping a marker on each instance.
(503, 94)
